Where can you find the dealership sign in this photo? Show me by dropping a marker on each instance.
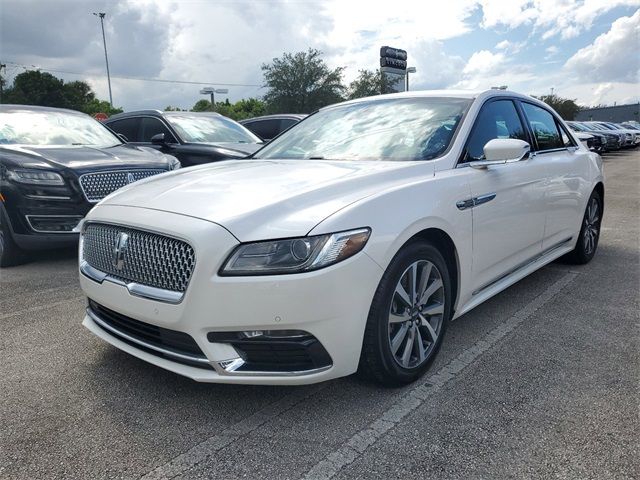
(393, 57)
(393, 65)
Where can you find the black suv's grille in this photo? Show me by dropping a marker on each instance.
(96, 186)
(170, 340)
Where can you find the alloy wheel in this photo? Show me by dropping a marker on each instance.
(416, 313)
(591, 226)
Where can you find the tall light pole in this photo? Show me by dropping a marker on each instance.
(211, 91)
(106, 58)
(410, 70)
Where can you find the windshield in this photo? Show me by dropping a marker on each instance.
(203, 128)
(53, 128)
(390, 129)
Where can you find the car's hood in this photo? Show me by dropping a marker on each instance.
(83, 157)
(260, 199)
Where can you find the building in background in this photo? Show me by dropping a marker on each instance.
(616, 113)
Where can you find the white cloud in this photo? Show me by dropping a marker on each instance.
(613, 56)
(566, 18)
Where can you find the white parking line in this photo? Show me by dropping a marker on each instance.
(208, 447)
(361, 441)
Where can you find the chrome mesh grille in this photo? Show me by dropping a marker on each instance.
(96, 186)
(150, 259)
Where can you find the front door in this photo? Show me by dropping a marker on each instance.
(508, 201)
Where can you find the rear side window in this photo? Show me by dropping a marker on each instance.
(128, 127)
(265, 129)
(497, 119)
(152, 126)
(544, 127)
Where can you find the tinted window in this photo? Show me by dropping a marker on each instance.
(543, 126)
(152, 126)
(265, 129)
(286, 123)
(127, 127)
(498, 119)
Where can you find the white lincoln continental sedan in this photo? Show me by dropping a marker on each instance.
(347, 243)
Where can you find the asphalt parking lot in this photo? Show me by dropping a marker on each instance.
(541, 381)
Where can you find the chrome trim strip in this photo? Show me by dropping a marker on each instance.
(137, 341)
(228, 368)
(46, 197)
(475, 201)
(136, 289)
(79, 217)
(523, 265)
(487, 197)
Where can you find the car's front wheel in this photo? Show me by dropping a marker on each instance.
(408, 316)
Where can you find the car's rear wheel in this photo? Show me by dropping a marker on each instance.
(10, 253)
(589, 232)
(408, 316)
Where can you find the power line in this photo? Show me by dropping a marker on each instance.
(139, 79)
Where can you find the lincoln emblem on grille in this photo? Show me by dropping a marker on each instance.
(119, 250)
(130, 178)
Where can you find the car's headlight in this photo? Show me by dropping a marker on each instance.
(294, 255)
(35, 177)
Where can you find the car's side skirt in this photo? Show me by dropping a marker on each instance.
(495, 287)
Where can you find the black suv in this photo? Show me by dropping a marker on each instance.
(270, 126)
(55, 165)
(192, 137)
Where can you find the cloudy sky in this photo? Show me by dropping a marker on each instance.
(583, 49)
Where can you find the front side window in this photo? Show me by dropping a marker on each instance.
(129, 127)
(152, 126)
(543, 126)
(265, 129)
(54, 128)
(497, 119)
(203, 128)
(389, 129)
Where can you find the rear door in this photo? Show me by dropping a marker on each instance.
(508, 201)
(567, 168)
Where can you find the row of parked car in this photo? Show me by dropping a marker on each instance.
(605, 137)
(56, 164)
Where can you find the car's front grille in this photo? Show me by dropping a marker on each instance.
(177, 346)
(149, 259)
(96, 186)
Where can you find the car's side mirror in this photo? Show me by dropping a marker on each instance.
(158, 139)
(503, 150)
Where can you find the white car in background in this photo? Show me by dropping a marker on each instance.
(347, 243)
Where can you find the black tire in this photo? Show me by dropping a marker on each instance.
(589, 236)
(10, 253)
(377, 360)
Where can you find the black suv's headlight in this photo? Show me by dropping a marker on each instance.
(294, 255)
(35, 177)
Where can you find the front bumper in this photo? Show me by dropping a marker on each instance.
(331, 305)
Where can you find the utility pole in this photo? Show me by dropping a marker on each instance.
(2, 66)
(106, 58)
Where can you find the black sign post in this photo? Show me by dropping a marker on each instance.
(393, 66)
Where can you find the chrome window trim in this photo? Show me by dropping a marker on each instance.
(28, 217)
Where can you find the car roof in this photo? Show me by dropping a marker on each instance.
(294, 116)
(469, 94)
(159, 113)
(36, 108)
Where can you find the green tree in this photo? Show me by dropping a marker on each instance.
(170, 108)
(566, 108)
(34, 87)
(369, 83)
(301, 83)
(202, 106)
